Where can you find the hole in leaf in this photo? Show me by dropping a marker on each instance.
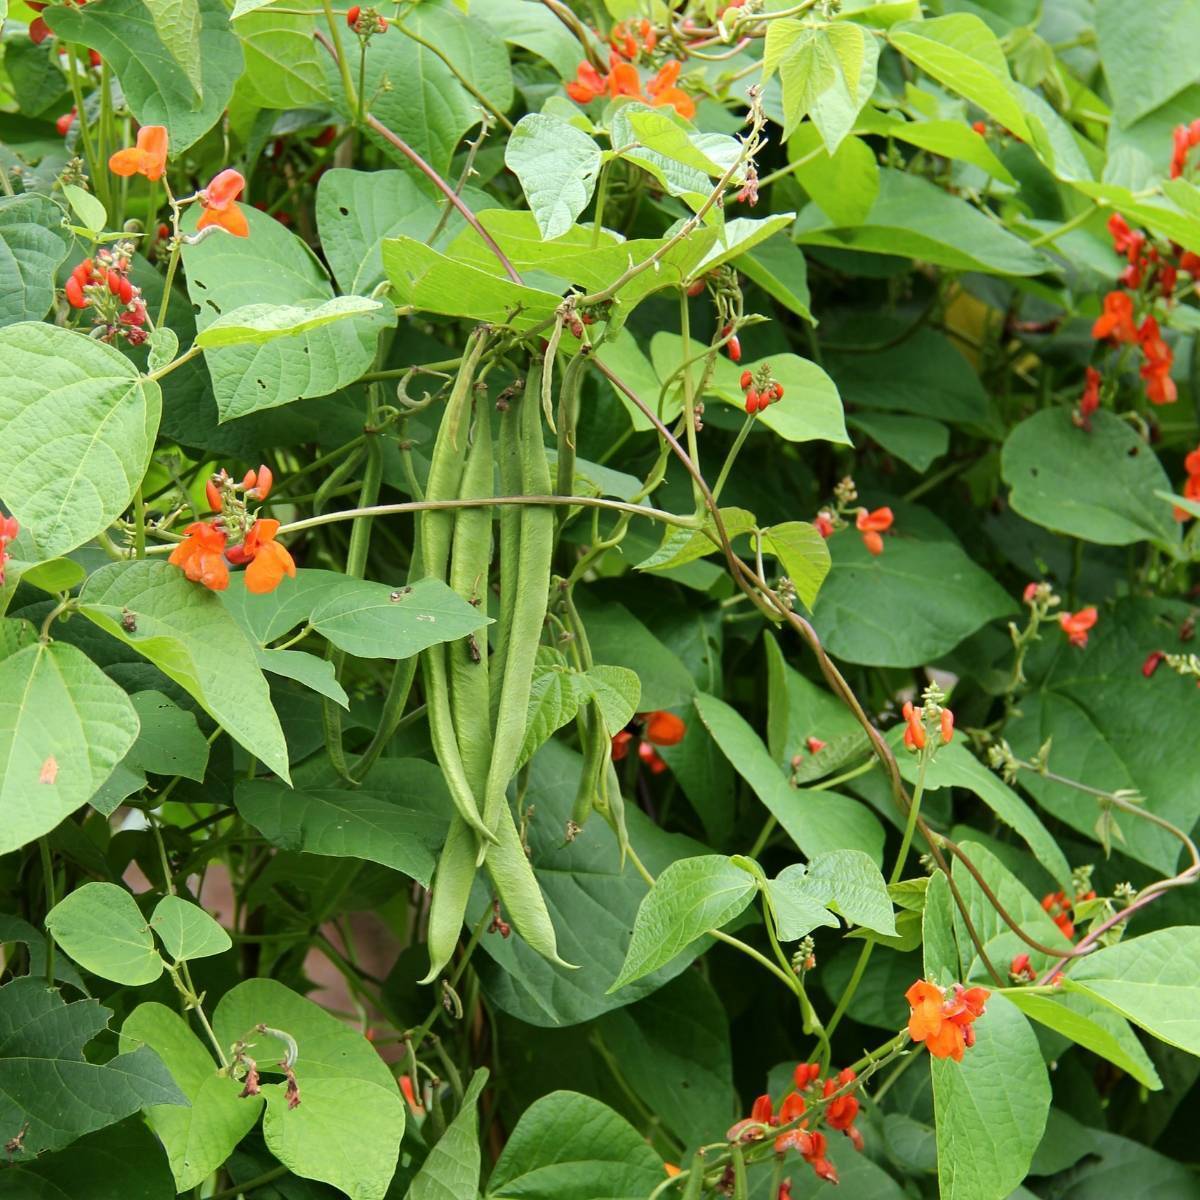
(344, 211)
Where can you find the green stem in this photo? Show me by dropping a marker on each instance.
(51, 901)
(727, 465)
(601, 195)
(335, 34)
(172, 265)
(689, 399)
(139, 524)
(240, 1189)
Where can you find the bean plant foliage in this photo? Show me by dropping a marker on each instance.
(597, 599)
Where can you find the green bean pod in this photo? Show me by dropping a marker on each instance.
(517, 886)
(597, 751)
(435, 528)
(450, 894)
(509, 459)
(529, 613)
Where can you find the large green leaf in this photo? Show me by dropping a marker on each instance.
(47, 1088)
(673, 1048)
(803, 555)
(816, 821)
(177, 23)
(32, 245)
(186, 930)
(1095, 706)
(845, 881)
(185, 631)
(64, 726)
(880, 609)
(990, 1109)
(530, 24)
(689, 898)
(200, 1137)
(356, 210)
(557, 165)
(424, 102)
(156, 88)
(913, 218)
(572, 1147)
(257, 324)
(274, 267)
(960, 51)
(344, 1086)
(78, 424)
(283, 69)
(1153, 980)
(1098, 485)
(451, 1170)
(102, 929)
(1139, 47)
(949, 139)
(369, 822)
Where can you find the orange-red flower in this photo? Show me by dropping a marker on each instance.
(269, 561)
(219, 201)
(871, 525)
(1191, 485)
(914, 729)
(664, 728)
(944, 1023)
(1076, 625)
(746, 1130)
(806, 1074)
(1058, 908)
(201, 554)
(1156, 370)
(1090, 400)
(8, 531)
(587, 84)
(631, 37)
(662, 90)
(623, 80)
(1116, 321)
(1020, 970)
(841, 1112)
(148, 157)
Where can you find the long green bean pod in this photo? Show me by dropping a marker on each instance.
(596, 745)
(509, 461)
(450, 894)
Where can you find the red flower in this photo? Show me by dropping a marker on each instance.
(1021, 970)
(219, 204)
(664, 728)
(8, 532)
(1076, 625)
(791, 1109)
(947, 726)
(620, 744)
(815, 745)
(944, 1022)
(1030, 593)
(914, 731)
(761, 1113)
(631, 37)
(841, 1112)
(652, 758)
(733, 347)
(201, 554)
(269, 561)
(587, 84)
(1152, 661)
(257, 484)
(1090, 400)
(824, 523)
(64, 123)
(662, 90)
(871, 525)
(805, 1074)
(148, 157)
(1116, 321)
(1058, 907)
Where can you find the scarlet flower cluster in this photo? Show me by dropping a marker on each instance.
(944, 1022)
(839, 1113)
(915, 736)
(623, 80)
(39, 31)
(872, 525)
(103, 283)
(1191, 485)
(8, 532)
(366, 22)
(658, 728)
(1185, 138)
(1076, 625)
(1062, 911)
(1020, 970)
(760, 391)
(1090, 400)
(630, 38)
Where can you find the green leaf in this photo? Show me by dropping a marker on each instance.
(536, 28)
(185, 631)
(668, 135)
(283, 69)
(315, 673)
(571, 1147)
(827, 71)
(122, 1162)
(87, 208)
(200, 1137)
(169, 741)
(1095, 706)
(1139, 48)
(1092, 1025)
(956, 766)
(778, 267)
(268, 617)
(681, 546)
(845, 184)
(741, 235)
(914, 440)
(372, 620)
(164, 347)
(673, 1049)
(451, 1170)
(1153, 980)
(913, 218)
(689, 898)
(64, 726)
(177, 23)
(990, 1109)
(817, 821)
(557, 165)
(948, 139)
(157, 89)
(356, 210)
(424, 102)
(921, 623)
(616, 691)
(53, 575)
(802, 554)
(797, 911)
(46, 1086)
(960, 51)
(1096, 485)
(257, 324)
(78, 425)
(101, 928)
(364, 822)
(848, 882)
(344, 1084)
(273, 267)
(186, 930)
(437, 283)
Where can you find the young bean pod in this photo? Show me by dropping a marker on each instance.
(450, 894)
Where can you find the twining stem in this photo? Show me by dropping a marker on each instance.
(240, 1189)
(689, 395)
(51, 901)
(601, 196)
(731, 457)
